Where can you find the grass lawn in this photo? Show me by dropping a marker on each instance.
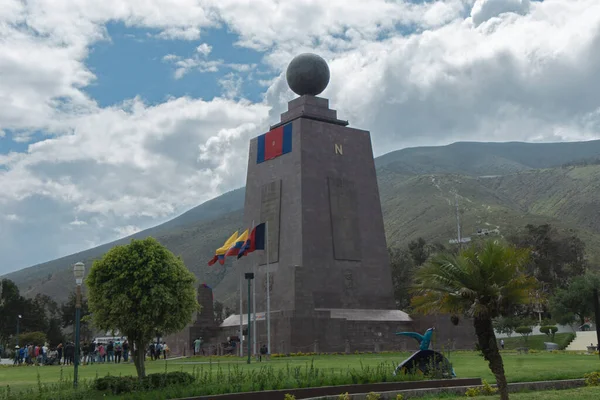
(588, 393)
(519, 368)
(536, 342)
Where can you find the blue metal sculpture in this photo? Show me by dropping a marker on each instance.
(425, 361)
(424, 340)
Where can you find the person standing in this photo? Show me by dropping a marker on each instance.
(502, 343)
(44, 353)
(152, 351)
(125, 351)
(101, 353)
(59, 350)
(165, 350)
(118, 352)
(110, 351)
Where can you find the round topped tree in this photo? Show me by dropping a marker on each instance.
(307, 74)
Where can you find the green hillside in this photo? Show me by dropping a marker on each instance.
(501, 186)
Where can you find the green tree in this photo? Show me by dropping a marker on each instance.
(219, 310)
(67, 315)
(402, 267)
(482, 282)
(555, 258)
(34, 338)
(575, 302)
(507, 325)
(549, 330)
(524, 331)
(140, 289)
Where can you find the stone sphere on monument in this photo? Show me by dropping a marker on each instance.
(307, 74)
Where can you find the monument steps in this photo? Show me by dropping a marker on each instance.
(582, 341)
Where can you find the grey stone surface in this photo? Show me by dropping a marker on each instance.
(345, 226)
(310, 107)
(270, 212)
(307, 74)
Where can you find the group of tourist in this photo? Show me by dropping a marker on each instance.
(65, 354)
(157, 349)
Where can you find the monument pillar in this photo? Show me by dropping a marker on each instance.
(312, 179)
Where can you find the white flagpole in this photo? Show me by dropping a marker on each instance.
(254, 305)
(241, 318)
(268, 290)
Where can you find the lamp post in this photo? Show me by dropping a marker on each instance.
(18, 326)
(79, 272)
(249, 277)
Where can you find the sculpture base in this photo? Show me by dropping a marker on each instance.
(427, 362)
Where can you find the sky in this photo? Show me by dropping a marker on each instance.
(117, 115)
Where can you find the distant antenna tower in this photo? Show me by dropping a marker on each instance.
(457, 221)
(459, 239)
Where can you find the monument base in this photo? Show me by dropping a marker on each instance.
(326, 330)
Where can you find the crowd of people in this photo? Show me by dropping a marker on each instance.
(93, 352)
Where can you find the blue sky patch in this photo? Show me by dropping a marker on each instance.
(132, 63)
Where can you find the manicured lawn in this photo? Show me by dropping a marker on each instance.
(536, 342)
(519, 368)
(588, 393)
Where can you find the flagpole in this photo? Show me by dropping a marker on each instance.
(241, 318)
(254, 304)
(268, 290)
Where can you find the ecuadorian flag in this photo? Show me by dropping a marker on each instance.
(274, 143)
(220, 252)
(239, 242)
(256, 241)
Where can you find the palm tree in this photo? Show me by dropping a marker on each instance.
(482, 282)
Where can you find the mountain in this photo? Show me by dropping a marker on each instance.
(501, 186)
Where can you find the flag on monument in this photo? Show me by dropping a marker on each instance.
(235, 248)
(274, 143)
(220, 252)
(256, 241)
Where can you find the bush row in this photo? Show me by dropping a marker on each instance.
(127, 384)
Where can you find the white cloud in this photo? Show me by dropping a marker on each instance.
(2, 133)
(506, 72)
(204, 49)
(484, 10)
(232, 85)
(77, 222)
(128, 230)
(188, 33)
(11, 217)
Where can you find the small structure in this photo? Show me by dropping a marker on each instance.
(551, 346)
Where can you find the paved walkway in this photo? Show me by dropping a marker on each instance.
(6, 361)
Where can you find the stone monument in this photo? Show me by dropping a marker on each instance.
(204, 325)
(312, 179)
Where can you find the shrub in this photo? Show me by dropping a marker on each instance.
(592, 379)
(289, 397)
(484, 390)
(524, 331)
(126, 384)
(373, 396)
(344, 396)
(399, 397)
(487, 389)
(549, 330)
